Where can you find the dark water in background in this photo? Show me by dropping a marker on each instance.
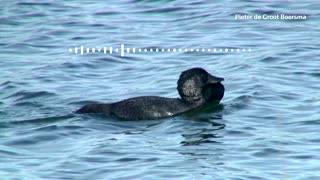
(267, 127)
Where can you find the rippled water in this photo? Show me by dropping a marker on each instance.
(266, 128)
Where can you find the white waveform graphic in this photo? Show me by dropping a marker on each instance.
(127, 50)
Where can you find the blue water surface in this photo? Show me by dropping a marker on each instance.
(267, 126)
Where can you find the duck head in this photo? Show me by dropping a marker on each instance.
(197, 86)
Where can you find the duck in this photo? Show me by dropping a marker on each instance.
(195, 86)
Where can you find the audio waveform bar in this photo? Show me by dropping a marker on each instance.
(126, 50)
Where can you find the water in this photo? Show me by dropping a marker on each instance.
(266, 128)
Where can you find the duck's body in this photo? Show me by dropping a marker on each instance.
(144, 107)
(196, 88)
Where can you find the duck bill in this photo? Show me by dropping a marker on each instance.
(214, 79)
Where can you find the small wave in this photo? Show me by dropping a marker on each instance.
(33, 15)
(106, 13)
(24, 95)
(28, 104)
(34, 4)
(28, 141)
(149, 1)
(239, 133)
(8, 85)
(4, 151)
(266, 11)
(315, 122)
(198, 142)
(270, 59)
(10, 22)
(270, 152)
(44, 120)
(238, 103)
(163, 10)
